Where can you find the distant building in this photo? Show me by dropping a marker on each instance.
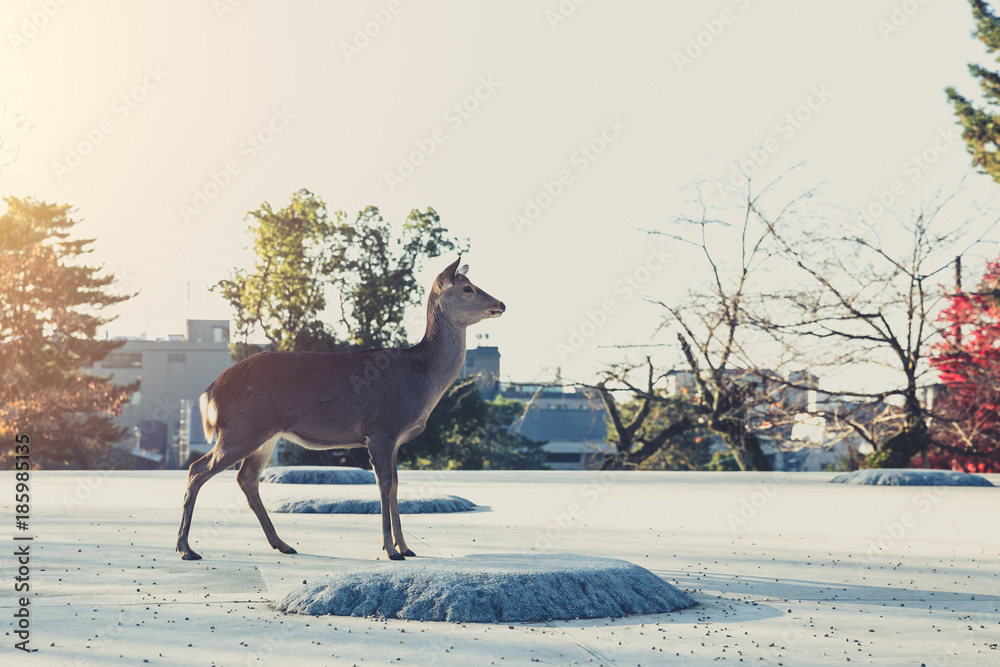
(173, 372)
(483, 362)
(570, 421)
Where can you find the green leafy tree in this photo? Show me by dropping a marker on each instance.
(302, 251)
(51, 308)
(378, 282)
(299, 249)
(981, 124)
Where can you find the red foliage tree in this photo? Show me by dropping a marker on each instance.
(966, 428)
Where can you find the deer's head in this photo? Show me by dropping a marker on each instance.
(459, 300)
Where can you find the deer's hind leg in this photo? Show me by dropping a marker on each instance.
(215, 461)
(249, 480)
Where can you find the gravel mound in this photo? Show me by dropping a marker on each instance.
(369, 505)
(317, 475)
(911, 477)
(490, 588)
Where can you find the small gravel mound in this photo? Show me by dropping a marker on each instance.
(911, 477)
(490, 588)
(317, 475)
(429, 505)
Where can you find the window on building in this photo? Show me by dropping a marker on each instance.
(122, 360)
(218, 335)
(178, 357)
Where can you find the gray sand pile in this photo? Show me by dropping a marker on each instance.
(428, 505)
(911, 477)
(490, 588)
(317, 475)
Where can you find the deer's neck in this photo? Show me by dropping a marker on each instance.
(442, 348)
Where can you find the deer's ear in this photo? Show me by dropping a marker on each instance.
(462, 270)
(447, 277)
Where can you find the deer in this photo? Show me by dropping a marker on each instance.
(378, 399)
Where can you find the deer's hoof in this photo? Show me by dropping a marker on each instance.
(285, 549)
(409, 552)
(190, 555)
(397, 556)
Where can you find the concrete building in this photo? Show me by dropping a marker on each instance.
(173, 372)
(484, 363)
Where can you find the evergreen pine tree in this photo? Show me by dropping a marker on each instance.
(50, 313)
(981, 125)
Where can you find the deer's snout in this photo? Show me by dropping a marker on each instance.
(497, 312)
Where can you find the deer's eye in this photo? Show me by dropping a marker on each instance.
(469, 289)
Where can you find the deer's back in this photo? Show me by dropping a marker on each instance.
(328, 398)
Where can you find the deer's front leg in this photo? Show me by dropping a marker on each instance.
(381, 451)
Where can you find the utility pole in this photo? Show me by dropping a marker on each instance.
(958, 290)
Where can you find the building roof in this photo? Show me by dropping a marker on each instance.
(572, 424)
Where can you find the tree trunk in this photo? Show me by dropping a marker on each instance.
(743, 444)
(899, 450)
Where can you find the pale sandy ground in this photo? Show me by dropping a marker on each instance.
(788, 570)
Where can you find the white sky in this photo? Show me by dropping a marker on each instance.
(208, 79)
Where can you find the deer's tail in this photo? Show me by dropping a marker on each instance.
(209, 414)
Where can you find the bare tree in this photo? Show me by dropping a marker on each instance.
(732, 394)
(735, 228)
(865, 298)
(636, 437)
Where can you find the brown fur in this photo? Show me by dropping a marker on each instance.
(377, 399)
